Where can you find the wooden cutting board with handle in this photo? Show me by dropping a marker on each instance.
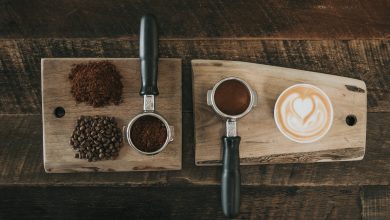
(261, 141)
(58, 154)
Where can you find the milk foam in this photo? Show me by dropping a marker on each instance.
(303, 113)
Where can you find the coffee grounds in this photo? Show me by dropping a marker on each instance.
(96, 83)
(148, 133)
(232, 97)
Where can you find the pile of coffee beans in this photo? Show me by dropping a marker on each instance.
(96, 138)
(96, 83)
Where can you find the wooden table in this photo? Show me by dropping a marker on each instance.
(346, 38)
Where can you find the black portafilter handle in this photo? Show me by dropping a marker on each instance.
(231, 179)
(148, 53)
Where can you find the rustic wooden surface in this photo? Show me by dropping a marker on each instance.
(346, 19)
(180, 203)
(59, 156)
(261, 141)
(345, 38)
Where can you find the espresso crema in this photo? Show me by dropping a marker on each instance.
(303, 113)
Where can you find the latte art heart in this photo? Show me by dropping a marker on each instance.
(302, 107)
(303, 113)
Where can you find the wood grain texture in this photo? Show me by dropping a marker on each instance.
(177, 203)
(375, 202)
(21, 162)
(261, 141)
(367, 60)
(58, 154)
(307, 19)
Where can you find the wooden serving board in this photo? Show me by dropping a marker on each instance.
(58, 154)
(261, 141)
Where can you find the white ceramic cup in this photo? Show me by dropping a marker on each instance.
(303, 113)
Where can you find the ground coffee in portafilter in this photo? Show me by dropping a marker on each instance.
(96, 138)
(232, 97)
(96, 83)
(148, 133)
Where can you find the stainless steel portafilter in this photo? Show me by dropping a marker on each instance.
(231, 98)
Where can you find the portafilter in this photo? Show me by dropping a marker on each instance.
(149, 62)
(231, 98)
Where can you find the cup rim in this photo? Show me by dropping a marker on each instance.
(331, 113)
(128, 133)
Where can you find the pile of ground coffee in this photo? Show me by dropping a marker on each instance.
(148, 133)
(96, 83)
(96, 138)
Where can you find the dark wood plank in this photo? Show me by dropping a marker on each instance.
(306, 19)
(21, 162)
(177, 203)
(375, 202)
(367, 60)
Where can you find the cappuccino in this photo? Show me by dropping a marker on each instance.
(303, 113)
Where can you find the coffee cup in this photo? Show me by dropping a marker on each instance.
(303, 113)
